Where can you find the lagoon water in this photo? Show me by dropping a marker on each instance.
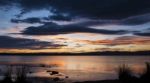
(79, 68)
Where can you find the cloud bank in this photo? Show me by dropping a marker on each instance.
(7, 42)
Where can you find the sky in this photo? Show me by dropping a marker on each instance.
(31, 26)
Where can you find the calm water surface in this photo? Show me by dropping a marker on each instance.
(80, 68)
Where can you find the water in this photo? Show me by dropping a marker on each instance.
(79, 68)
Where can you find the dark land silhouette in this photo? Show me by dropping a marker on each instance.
(119, 53)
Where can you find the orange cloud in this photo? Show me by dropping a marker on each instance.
(120, 41)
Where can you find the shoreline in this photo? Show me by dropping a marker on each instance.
(106, 53)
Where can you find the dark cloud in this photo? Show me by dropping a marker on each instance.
(91, 8)
(54, 29)
(27, 20)
(7, 42)
(145, 32)
(124, 12)
(115, 9)
(58, 17)
(41, 20)
(142, 34)
(6, 2)
(135, 20)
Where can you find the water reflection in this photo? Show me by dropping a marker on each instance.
(77, 67)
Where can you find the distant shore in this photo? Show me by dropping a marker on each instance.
(112, 53)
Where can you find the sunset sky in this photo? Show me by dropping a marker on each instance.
(74, 25)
